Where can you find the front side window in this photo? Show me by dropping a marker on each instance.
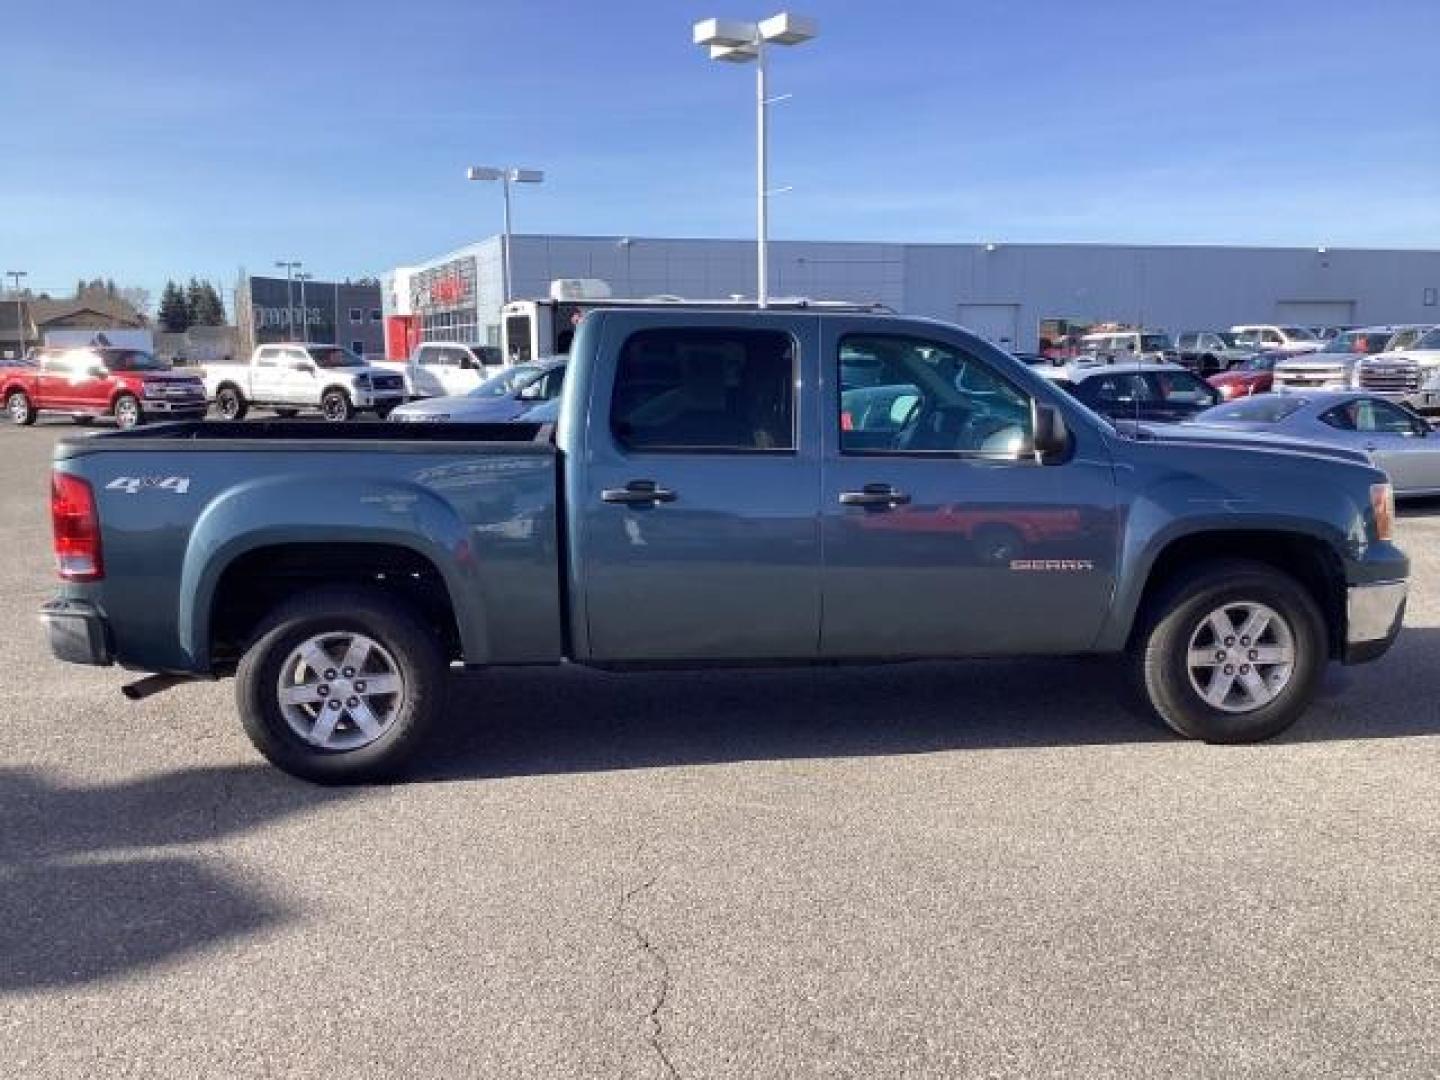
(333, 356)
(718, 389)
(1369, 415)
(928, 398)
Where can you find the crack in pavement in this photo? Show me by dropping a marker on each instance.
(654, 957)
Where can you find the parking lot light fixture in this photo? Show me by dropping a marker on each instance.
(302, 277)
(507, 175)
(732, 41)
(289, 266)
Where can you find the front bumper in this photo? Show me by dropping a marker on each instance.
(370, 399)
(1373, 613)
(192, 407)
(78, 632)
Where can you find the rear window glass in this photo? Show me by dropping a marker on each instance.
(1263, 409)
(705, 389)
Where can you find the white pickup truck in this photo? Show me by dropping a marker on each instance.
(290, 376)
(446, 368)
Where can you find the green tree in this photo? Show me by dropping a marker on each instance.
(206, 308)
(174, 311)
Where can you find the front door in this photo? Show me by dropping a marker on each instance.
(697, 521)
(1396, 440)
(942, 533)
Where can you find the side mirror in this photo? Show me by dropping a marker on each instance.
(468, 364)
(1052, 438)
(99, 371)
(303, 365)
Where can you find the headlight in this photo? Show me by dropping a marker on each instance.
(362, 382)
(151, 390)
(1382, 505)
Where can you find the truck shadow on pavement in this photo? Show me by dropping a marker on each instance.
(519, 722)
(84, 893)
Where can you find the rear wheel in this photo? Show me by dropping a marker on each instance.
(231, 404)
(20, 408)
(341, 686)
(336, 406)
(127, 412)
(1231, 653)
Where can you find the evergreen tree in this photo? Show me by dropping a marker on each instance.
(210, 309)
(174, 312)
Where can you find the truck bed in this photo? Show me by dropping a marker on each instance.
(283, 434)
(198, 518)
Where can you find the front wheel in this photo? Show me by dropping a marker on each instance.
(336, 406)
(382, 412)
(341, 686)
(231, 404)
(1231, 653)
(127, 412)
(20, 408)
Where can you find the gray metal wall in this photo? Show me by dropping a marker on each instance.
(1013, 285)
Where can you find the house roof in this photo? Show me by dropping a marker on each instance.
(43, 312)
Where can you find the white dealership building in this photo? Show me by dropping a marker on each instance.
(1002, 291)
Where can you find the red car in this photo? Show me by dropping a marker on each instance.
(1252, 376)
(128, 384)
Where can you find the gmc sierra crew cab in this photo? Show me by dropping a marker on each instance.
(714, 492)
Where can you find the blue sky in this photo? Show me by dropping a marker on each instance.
(150, 139)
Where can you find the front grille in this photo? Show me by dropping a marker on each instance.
(1310, 376)
(1390, 378)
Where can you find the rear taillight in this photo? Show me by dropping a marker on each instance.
(77, 528)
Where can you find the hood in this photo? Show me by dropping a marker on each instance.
(1215, 436)
(463, 409)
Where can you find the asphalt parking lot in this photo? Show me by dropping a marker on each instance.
(979, 869)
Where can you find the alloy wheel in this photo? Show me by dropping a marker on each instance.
(340, 691)
(1241, 657)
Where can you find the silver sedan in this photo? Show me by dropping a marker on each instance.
(1397, 440)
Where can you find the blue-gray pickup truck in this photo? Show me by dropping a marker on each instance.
(801, 484)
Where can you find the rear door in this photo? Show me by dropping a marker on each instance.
(697, 507)
(943, 536)
(426, 371)
(267, 374)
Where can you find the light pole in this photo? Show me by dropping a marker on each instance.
(15, 276)
(737, 42)
(303, 276)
(290, 266)
(507, 175)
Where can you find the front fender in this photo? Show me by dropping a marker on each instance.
(262, 513)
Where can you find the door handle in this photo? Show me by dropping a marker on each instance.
(638, 493)
(875, 495)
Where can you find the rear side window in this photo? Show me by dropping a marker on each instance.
(705, 390)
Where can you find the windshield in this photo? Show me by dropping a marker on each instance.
(1430, 340)
(333, 356)
(1263, 409)
(133, 360)
(1298, 333)
(1359, 341)
(509, 382)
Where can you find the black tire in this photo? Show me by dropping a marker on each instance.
(382, 412)
(231, 404)
(392, 625)
(336, 406)
(127, 411)
(20, 408)
(1161, 649)
(287, 414)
